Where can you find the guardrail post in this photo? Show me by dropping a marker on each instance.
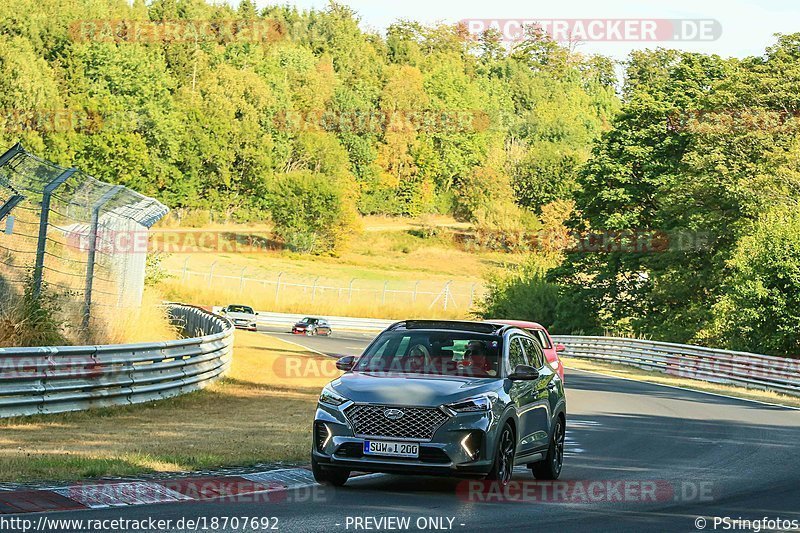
(44, 219)
(90, 261)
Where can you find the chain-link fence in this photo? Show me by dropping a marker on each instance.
(67, 232)
(268, 292)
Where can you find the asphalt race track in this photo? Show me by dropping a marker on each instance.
(339, 343)
(707, 456)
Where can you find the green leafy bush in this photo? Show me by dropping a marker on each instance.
(521, 294)
(26, 320)
(311, 212)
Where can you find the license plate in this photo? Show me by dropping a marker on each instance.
(391, 449)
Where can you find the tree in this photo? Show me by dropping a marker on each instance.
(760, 308)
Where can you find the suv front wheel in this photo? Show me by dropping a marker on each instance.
(329, 475)
(503, 466)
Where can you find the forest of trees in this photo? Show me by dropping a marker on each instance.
(704, 147)
(707, 145)
(213, 124)
(325, 120)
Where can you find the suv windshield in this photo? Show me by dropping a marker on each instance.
(240, 309)
(448, 353)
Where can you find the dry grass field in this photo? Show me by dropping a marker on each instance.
(412, 260)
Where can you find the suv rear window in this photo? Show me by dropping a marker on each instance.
(540, 336)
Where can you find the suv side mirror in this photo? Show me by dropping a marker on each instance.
(560, 347)
(523, 373)
(346, 363)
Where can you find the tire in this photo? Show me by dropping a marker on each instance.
(503, 466)
(311, 332)
(336, 477)
(550, 468)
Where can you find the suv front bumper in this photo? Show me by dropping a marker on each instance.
(462, 445)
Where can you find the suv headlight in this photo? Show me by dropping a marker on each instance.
(330, 397)
(471, 405)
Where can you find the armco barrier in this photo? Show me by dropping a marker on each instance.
(72, 378)
(779, 374)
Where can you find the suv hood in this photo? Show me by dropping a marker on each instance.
(410, 389)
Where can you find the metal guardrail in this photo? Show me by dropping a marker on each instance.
(779, 374)
(73, 378)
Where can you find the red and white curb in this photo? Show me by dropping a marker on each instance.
(257, 487)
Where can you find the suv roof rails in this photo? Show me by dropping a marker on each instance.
(459, 325)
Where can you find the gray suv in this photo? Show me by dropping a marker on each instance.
(442, 397)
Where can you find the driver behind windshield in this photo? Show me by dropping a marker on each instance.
(477, 361)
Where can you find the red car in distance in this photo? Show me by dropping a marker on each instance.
(541, 334)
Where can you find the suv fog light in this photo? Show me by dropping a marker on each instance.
(471, 444)
(323, 435)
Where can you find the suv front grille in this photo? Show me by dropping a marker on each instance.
(417, 423)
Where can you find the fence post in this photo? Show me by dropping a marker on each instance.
(185, 267)
(446, 294)
(314, 289)
(350, 292)
(211, 273)
(241, 280)
(414, 295)
(49, 189)
(11, 152)
(278, 286)
(90, 260)
(383, 296)
(471, 295)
